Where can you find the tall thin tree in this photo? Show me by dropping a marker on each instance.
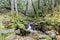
(26, 7)
(16, 7)
(35, 10)
(52, 2)
(12, 5)
(38, 4)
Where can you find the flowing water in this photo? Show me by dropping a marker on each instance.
(34, 35)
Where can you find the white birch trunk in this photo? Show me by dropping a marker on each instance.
(16, 8)
(12, 5)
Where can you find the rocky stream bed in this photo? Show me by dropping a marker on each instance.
(32, 36)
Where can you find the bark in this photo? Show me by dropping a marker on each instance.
(33, 6)
(35, 10)
(38, 4)
(26, 8)
(52, 1)
(12, 5)
(16, 8)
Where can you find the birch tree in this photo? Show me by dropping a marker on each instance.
(12, 5)
(16, 8)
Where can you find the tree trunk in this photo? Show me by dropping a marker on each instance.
(26, 8)
(16, 8)
(12, 5)
(38, 4)
(34, 8)
(53, 2)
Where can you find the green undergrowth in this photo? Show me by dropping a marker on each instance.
(13, 20)
(3, 36)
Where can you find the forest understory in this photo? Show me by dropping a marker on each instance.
(29, 19)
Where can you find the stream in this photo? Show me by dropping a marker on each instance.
(34, 34)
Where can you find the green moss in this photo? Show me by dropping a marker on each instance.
(21, 26)
(47, 38)
(3, 36)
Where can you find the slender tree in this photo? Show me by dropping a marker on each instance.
(26, 7)
(12, 5)
(53, 2)
(16, 8)
(38, 4)
(36, 10)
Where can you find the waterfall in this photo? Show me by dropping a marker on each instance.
(30, 29)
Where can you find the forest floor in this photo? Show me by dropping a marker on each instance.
(18, 37)
(58, 37)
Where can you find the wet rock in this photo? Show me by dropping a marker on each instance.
(40, 36)
(22, 32)
(17, 31)
(52, 34)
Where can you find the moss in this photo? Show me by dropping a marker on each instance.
(47, 38)
(21, 26)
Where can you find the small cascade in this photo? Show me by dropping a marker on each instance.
(30, 29)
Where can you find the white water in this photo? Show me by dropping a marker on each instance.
(34, 32)
(30, 29)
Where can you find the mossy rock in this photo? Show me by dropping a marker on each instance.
(21, 26)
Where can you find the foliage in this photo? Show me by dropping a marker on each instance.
(47, 38)
(43, 6)
(13, 20)
(37, 10)
(3, 36)
(21, 26)
(2, 26)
